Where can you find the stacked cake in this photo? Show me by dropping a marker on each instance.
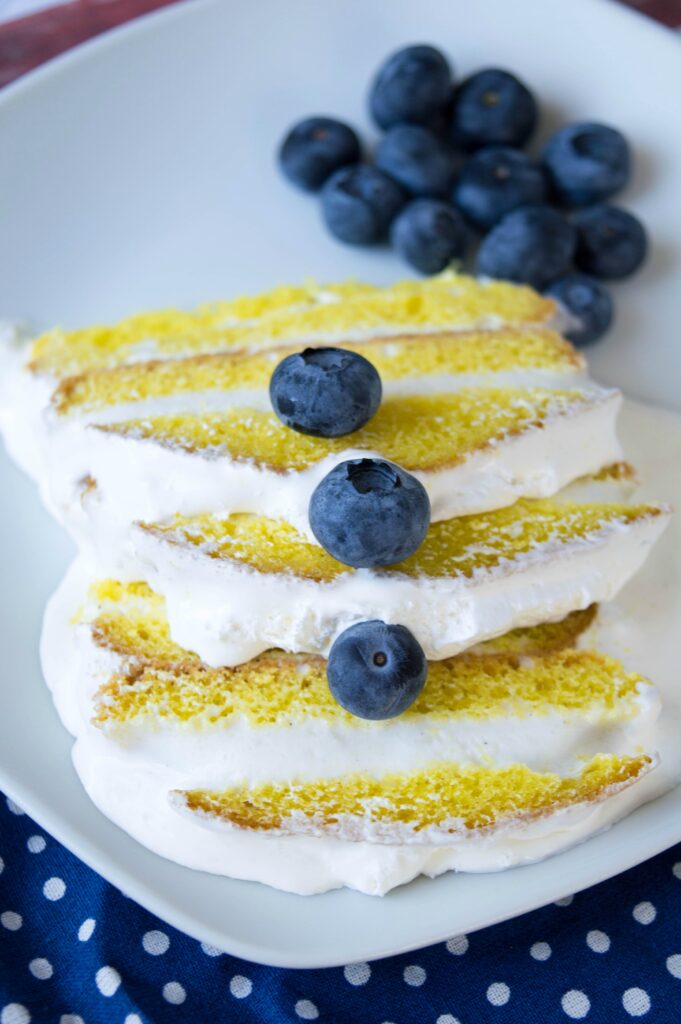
(201, 647)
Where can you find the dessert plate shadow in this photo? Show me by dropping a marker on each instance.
(138, 171)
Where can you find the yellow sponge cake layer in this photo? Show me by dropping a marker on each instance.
(420, 432)
(397, 358)
(459, 547)
(430, 806)
(346, 311)
(284, 689)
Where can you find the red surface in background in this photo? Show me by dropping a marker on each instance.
(27, 42)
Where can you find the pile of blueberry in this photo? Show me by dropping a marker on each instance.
(450, 165)
(367, 513)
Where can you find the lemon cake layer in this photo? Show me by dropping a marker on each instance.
(238, 585)
(431, 806)
(473, 450)
(307, 314)
(406, 363)
(508, 756)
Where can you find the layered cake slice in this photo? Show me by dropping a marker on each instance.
(478, 397)
(512, 739)
(236, 585)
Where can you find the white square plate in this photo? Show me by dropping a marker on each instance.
(138, 171)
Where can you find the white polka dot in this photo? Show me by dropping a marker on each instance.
(14, 808)
(36, 844)
(674, 965)
(174, 993)
(2, 865)
(676, 870)
(133, 1018)
(73, 1018)
(414, 975)
(498, 993)
(240, 986)
(575, 1004)
(107, 980)
(210, 950)
(540, 951)
(15, 1013)
(636, 1002)
(458, 945)
(357, 974)
(41, 968)
(597, 941)
(565, 902)
(446, 1018)
(54, 888)
(306, 1010)
(86, 929)
(644, 913)
(11, 920)
(155, 943)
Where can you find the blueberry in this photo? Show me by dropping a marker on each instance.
(586, 301)
(533, 245)
(412, 86)
(492, 108)
(496, 180)
(326, 392)
(359, 202)
(429, 234)
(587, 163)
(418, 160)
(376, 671)
(315, 148)
(368, 513)
(611, 242)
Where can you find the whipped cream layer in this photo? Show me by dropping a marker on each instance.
(131, 772)
(130, 478)
(228, 613)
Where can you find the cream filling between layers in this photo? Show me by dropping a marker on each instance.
(143, 480)
(229, 613)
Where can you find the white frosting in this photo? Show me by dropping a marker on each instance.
(228, 613)
(143, 480)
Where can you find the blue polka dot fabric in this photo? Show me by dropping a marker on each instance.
(74, 950)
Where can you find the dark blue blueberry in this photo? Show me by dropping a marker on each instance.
(376, 671)
(587, 301)
(587, 163)
(359, 202)
(315, 148)
(412, 86)
(429, 234)
(415, 157)
(611, 243)
(492, 108)
(326, 392)
(495, 181)
(533, 245)
(369, 513)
